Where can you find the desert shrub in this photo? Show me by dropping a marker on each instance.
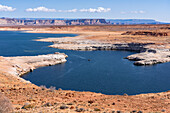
(43, 87)
(5, 104)
(52, 88)
(96, 109)
(27, 106)
(59, 89)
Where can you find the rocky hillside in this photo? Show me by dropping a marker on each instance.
(12, 21)
(146, 33)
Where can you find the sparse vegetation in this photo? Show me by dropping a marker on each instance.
(27, 106)
(96, 109)
(43, 87)
(52, 88)
(59, 89)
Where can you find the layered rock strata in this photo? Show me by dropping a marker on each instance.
(11, 21)
(147, 33)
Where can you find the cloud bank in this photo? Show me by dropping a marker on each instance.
(133, 12)
(40, 9)
(90, 10)
(98, 10)
(6, 8)
(69, 11)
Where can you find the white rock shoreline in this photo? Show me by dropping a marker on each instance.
(146, 55)
(150, 57)
(17, 66)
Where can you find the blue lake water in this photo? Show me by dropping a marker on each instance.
(107, 72)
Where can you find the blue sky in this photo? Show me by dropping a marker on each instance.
(116, 9)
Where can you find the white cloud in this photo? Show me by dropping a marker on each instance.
(133, 12)
(70, 11)
(91, 10)
(44, 9)
(98, 10)
(6, 8)
(40, 9)
(141, 11)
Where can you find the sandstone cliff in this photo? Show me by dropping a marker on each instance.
(10, 21)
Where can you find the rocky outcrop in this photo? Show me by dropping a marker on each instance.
(165, 28)
(100, 46)
(5, 104)
(78, 43)
(147, 33)
(20, 65)
(10, 21)
(150, 57)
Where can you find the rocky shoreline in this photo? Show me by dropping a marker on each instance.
(27, 97)
(18, 66)
(146, 55)
(150, 57)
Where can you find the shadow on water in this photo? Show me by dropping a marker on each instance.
(97, 71)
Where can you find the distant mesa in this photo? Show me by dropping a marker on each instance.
(133, 21)
(61, 21)
(17, 21)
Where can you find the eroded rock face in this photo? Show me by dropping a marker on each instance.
(80, 44)
(100, 46)
(5, 104)
(150, 57)
(10, 21)
(147, 33)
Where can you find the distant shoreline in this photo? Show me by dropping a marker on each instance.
(78, 22)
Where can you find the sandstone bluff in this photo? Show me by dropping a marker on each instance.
(10, 21)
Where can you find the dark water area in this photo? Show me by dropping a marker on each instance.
(18, 43)
(106, 72)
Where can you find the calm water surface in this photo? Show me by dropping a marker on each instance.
(107, 72)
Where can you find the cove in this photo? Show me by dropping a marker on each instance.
(106, 72)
